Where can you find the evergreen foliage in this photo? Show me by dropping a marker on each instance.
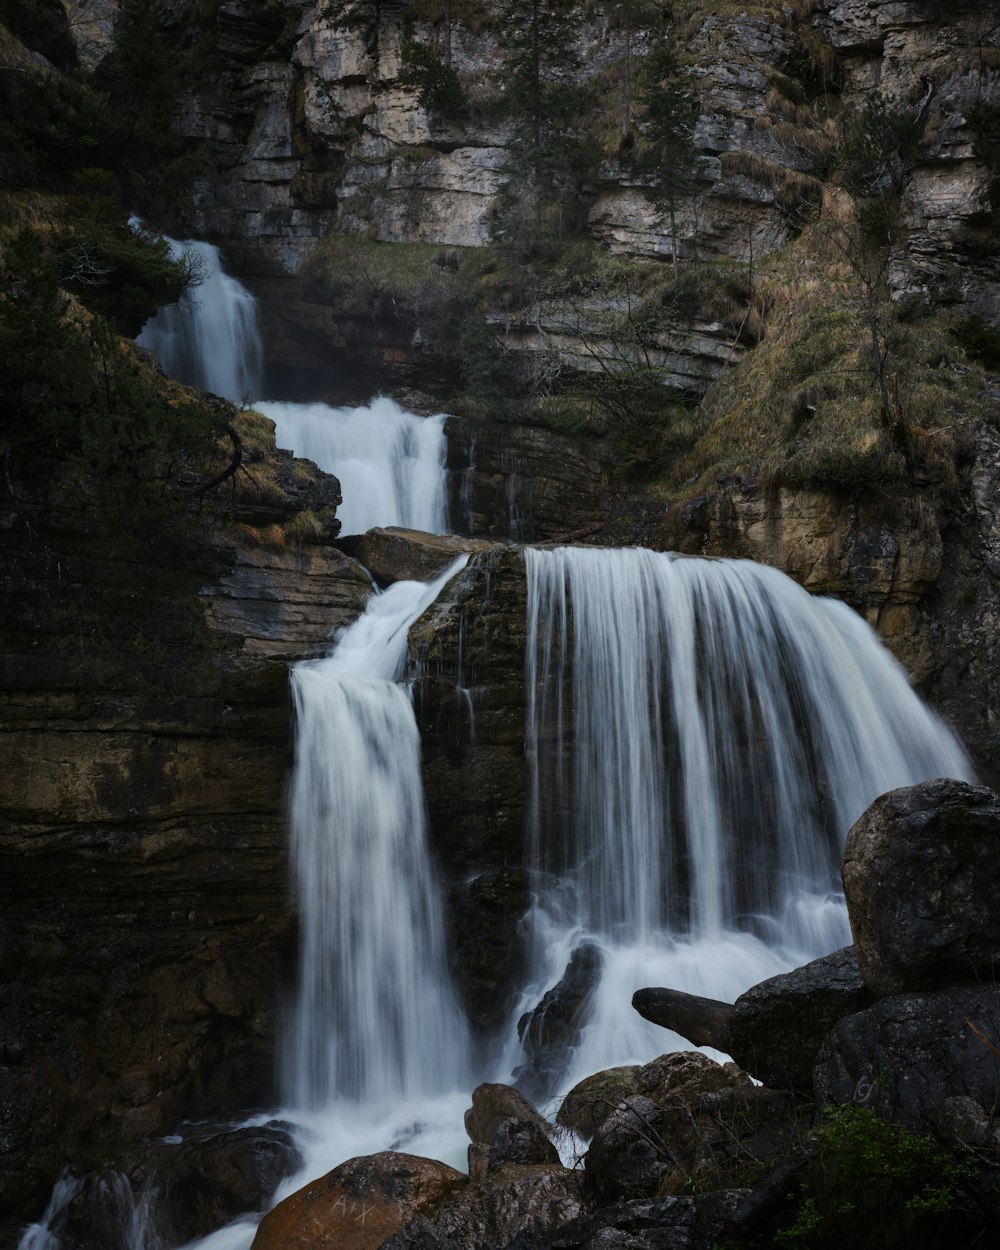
(81, 411)
(669, 156)
(548, 156)
(439, 87)
(876, 1186)
(137, 88)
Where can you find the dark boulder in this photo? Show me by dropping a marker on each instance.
(922, 877)
(775, 1030)
(689, 1223)
(513, 1201)
(551, 1031)
(494, 1105)
(629, 1154)
(211, 1181)
(515, 1141)
(905, 1056)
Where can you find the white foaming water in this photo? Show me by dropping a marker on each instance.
(703, 734)
(390, 462)
(211, 337)
(375, 1018)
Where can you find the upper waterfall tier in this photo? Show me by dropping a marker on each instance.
(390, 462)
(211, 338)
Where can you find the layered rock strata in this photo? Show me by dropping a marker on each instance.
(142, 835)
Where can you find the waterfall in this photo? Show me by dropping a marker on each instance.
(391, 463)
(702, 735)
(210, 338)
(375, 1018)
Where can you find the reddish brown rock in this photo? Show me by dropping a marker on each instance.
(359, 1204)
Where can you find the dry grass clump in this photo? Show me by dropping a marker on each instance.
(804, 407)
(793, 190)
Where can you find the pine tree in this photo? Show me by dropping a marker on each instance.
(544, 97)
(669, 157)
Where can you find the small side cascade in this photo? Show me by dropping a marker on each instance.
(390, 462)
(375, 1020)
(211, 338)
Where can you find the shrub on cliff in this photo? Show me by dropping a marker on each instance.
(876, 1184)
(82, 412)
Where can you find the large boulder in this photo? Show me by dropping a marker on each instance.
(630, 1154)
(358, 1205)
(668, 1223)
(505, 1128)
(213, 1180)
(591, 1101)
(514, 1203)
(922, 877)
(775, 1029)
(905, 1056)
(492, 1105)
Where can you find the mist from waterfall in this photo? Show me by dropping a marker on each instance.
(390, 462)
(210, 338)
(702, 734)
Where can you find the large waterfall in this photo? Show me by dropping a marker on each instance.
(211, 338)
(702, 733)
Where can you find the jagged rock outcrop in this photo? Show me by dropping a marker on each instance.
(550, 1032)
(393, 554)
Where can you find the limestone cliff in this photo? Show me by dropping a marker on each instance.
(319, 131)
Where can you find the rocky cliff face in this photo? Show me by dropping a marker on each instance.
(317, 129)
(142, 838)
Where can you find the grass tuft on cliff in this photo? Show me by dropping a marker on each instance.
(804, 407)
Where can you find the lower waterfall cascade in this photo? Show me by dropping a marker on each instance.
(701, 734)
(358, 833)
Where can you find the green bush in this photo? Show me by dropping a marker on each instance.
(874, 1185)
(81, 411)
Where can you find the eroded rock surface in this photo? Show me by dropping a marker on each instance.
(922, 876)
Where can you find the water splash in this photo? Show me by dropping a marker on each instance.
(211, 338)
(390, 462)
